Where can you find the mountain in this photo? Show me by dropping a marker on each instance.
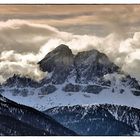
(98, 119)
(85, 92)
(84, 67)
(88, 77)
(19, 120)
(87, 67)
(59, 62)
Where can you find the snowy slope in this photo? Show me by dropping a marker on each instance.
(61, 98)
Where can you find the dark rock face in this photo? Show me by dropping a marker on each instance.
(85, 66)
(16, 119)
(121, 91)
(93, 89)
(15, 91)
(132, 82)
(24, 92)
(21, 82)
(93, 120)
(60, 56)
(92, 64)
(45, 90)
(60, 62)
(72, 88)
(19, 91)
(136, 93)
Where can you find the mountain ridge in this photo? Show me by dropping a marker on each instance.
(27, 116)
(102, 119)
(89, 74)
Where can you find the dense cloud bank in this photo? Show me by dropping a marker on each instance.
(23, 44)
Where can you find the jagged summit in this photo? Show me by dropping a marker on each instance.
(59, 61)
(85, 66)
(60, 56)
(63, 49)
(92, 64)
(93, 56)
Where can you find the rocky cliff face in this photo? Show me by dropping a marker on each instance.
(59, 62)
(91, 65)
(88, 67)
(84, 67)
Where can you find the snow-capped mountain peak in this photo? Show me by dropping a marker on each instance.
(88, 77)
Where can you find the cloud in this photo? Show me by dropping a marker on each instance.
(130, 48)
(23, 36)
(114, 18)
(123, 52)
(20, 42)
(15, 63)
(22, 59)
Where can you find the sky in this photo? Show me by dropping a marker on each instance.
(29, 32)
(78, 19)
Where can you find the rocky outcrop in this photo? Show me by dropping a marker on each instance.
(91, 65)
(86, 66)
(59, 62)
(21, 82)
(136, 93)
(131, 82)
(45, 90)
(72, 88)
(95, 89)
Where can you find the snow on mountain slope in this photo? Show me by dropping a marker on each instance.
(61, 98)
